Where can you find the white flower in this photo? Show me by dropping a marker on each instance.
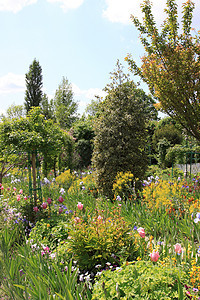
(62, 191)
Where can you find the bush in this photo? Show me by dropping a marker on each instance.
(142, 280)
(101, 238)
(65, 179)
(123, 185)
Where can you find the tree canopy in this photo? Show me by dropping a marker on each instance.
(120, 135)
(33, 93)
(65, 106)
(171, 64)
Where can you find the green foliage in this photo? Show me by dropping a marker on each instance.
(33, 93)
(31, 273)
(171, 65)
(100, 238)
(15, 111)
(50, 232)
(65, 106)
(142, 280)
(170, 133)
(47, 107)
(120, 133)
(83, 132)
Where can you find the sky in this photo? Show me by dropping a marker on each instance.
(80, 40)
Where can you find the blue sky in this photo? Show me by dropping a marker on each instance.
(77, 39)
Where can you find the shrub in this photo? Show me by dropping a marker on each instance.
(65, 179)
(101, 238)
(123, 185)
(142, 280)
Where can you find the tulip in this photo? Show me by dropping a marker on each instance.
(154, 256)
(60, 199)
(141, 232)
(35, 209)
(14, 188)
(80, 206)
(25, 198)
(178, 248)
(21, 191)
(49, 200)
(60, 210)
(18, 197)
(44, 205)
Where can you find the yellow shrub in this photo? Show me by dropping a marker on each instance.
(65, 179)
(123, 185)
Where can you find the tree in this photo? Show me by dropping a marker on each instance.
(15, 111)
(83, 132)
(65, 106)
(120, 135)
(33, 133)
(10, 157)
(47, 107)
(33, 93)
(171, 64)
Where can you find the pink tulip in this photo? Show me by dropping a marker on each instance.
(80, 206)
(99, 218)
(21, 191)
(35, 209)
(44, 205)
(25, 198)
(178, 248)
(154, 256)
(18, 198)
(60, 210)
(49, 200)
(2, 187)
(60, 199)
(14, 188)
(141, 232)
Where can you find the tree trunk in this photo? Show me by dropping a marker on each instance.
(34, 177)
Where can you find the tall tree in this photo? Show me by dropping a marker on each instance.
(47, 107)
(120, 135)
(65, 106)
(33, 93)
(171, 64)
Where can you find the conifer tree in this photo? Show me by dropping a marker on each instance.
(33, 79)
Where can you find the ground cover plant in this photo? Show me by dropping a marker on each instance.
(82, 244)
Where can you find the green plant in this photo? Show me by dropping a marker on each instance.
(29, 273)
(141, 280)
(120, 132)
(123, 185)
(101, 238)
(65, 179)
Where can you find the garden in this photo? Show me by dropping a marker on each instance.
(82, 246)
(97, 206)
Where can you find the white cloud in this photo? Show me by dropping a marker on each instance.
(84, 97)
(120, 10)
(14, 5)
(12, 83)
(89, 94)
(68, 4)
